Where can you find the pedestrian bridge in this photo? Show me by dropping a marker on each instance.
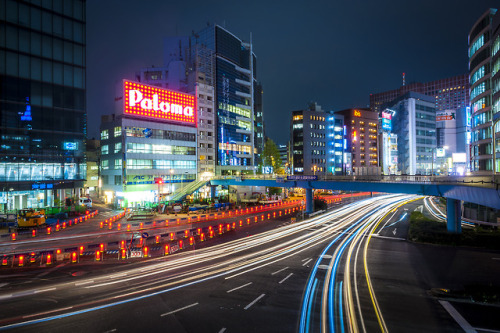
(482, 190)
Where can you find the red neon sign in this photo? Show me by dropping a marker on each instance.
(152, 102)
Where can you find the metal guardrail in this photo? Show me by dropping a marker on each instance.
(478, 181)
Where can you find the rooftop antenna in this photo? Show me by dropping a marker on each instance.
(404, 79)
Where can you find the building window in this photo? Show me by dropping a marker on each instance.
(104, 164)
(118, 180)
(104, 150)
(105, 135)
(118, 131)
(118, 163)
(118, 147)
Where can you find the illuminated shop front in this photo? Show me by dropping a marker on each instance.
(148, 148)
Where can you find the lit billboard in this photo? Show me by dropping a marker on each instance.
(155, 103)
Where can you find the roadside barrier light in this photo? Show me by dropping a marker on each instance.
(166, 250)
(268, 216)
(21, 260)
(49, 259)
(186, 233)
(81, 250)
(98, 255)
(5, 261)
(119, 226)
(141, 225)
(234, 225)
(211, 234)
(81, 219)
(191, 240)
(69, 223)
(198, 231)
(171, 236)
(146, 251)
(202, 237)
(123, 253)
(122, 244)
(154, 224)
(178, 221)
(220, 229)
(32, 257)
(280, 212)
(128, 227)
(101, 247)
(248, 220)
(157, 238)
(166, 223)
(254, 220)
(64, 225)
(13, 236)
(110, 225)
(58, 251)
(274, 214)
(181, 243)
(228, 227)
(262, 217)
(57, 227)
(101, 225)
(141, 242)
(74, 257)
(241, 223)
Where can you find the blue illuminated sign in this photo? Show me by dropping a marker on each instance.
(70, 146)
(386, 124)
(42, 186)
(301, 177)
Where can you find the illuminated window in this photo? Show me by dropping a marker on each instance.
(118, 131)
(118, 147)
(105, 135)
(118, 163)
(104, 164)
(104, 150)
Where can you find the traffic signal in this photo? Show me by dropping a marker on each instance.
(158, 180)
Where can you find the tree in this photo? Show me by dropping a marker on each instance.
(271, 157)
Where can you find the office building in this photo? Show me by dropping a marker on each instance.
(259, 134)
(43, 113)
(190, 70)
(414, 122)
(481, 93)
(148, 147)
(361, 140)
(308, 141)
(93, 158)
(450, 93)
(283, 150)
(235, 82)
(336, 144)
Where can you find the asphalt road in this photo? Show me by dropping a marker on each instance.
(257, 280)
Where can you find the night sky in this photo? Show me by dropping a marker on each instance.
(333, 52)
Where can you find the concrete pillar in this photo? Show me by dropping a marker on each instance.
(309, 201)
(453, 216)
(212, 192)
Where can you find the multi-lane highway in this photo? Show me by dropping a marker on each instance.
(308, 276)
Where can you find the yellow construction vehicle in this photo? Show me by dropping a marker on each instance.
(28, 218)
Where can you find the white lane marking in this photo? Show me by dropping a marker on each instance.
(323, 266)
(243, 286)
(486, 330)
(327, 256)
(385, 237)
(458, 317)
(44, 290)
(305, 259)
(84, 282)
(307, 262)
(184, 308)
(285, 278)
(110, 331)
(281, 270)
(254, 301)
(5, 296)
(47, 312)
(3, 284)
(222, 330)
(117, 275)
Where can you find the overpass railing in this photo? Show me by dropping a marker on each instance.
(476, 181)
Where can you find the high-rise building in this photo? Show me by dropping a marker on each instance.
(414, 122)
(191, 70)
(308, 141)
(361, 139)
(449, 93)
(336, 144)
(259, 135)
(42, 114)
(235, 83)
(480, 73)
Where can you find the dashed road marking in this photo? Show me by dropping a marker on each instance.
(243, 286)
(281, 270)
(285, 278)
(308, 261)
(254, 301)
(184, 308)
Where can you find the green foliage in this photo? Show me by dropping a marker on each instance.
(271, 157)
(425, 230)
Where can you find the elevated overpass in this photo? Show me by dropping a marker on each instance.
(481, 190)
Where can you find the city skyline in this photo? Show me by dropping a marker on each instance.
(298, 63)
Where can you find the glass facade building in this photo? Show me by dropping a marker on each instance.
(235, 77)
(42, 102)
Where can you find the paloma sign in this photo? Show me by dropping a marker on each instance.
(147, 101)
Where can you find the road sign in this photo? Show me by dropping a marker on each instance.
(145, 235)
